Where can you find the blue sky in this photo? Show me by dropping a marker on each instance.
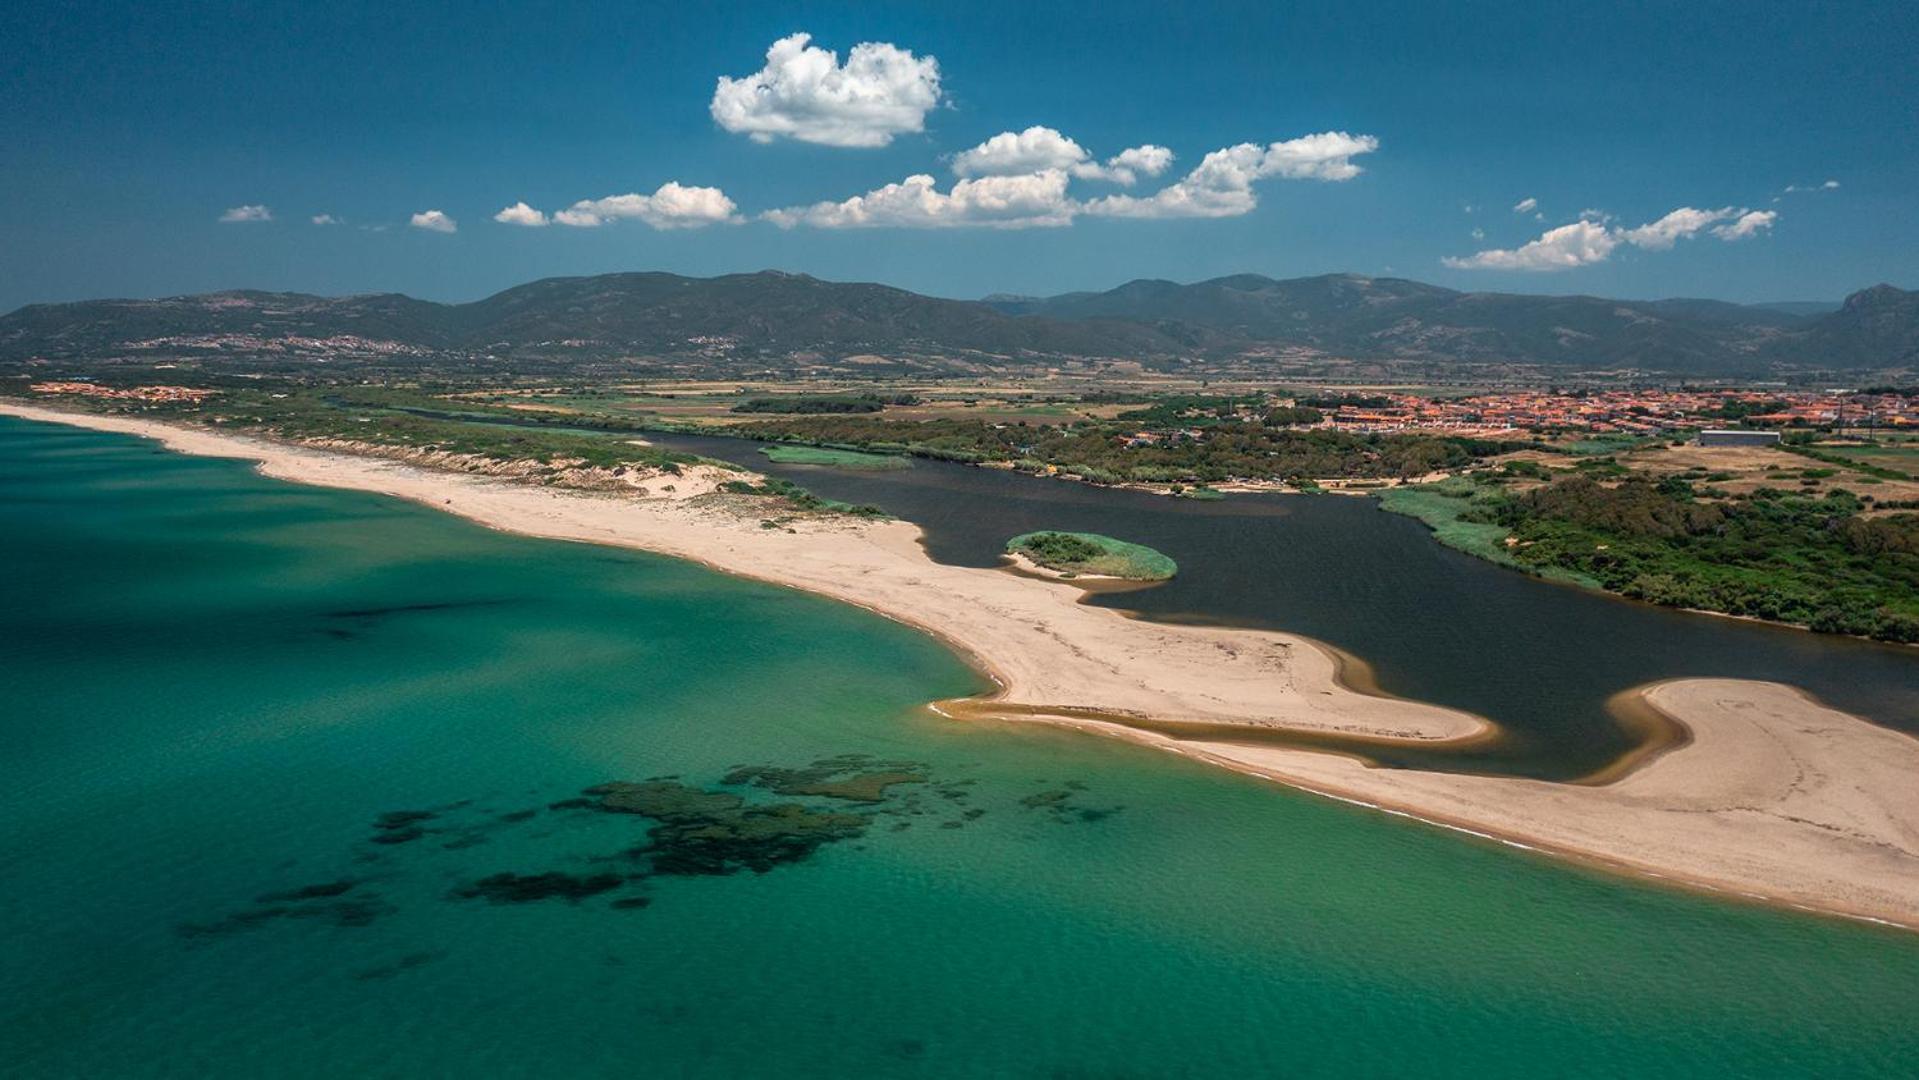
(1383, 139)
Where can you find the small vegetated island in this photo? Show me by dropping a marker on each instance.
(1074, 554)
(833, 457)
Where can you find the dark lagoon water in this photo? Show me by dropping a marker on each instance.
(292, 783)
(1435, 624)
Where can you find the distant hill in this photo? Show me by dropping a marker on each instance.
(638, 312)
(1874, 328)
(1801, 308)
(1393, 318)
(771, 315)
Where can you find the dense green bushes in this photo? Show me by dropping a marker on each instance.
(1773, 555)
(811, 404)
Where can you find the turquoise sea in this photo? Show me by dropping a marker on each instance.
(296, 783)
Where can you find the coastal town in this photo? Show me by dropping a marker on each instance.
(1628, 412)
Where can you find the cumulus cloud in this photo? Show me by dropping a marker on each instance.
(672, 206)
(326, 219)
(1526, 205)
(1793, 189)
(1681, 224)
(434, 221)
(1593, 239)
(1325, 156)
(521, 214)
(1020, 180)
(1041, 148)
(1577, 244)
(1006, 202)
(1144, 160)
(1221, 185)
(1038, 149)
(1750, 223)
(805, 93)
(242, 215)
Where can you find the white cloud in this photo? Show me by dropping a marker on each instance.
(521, 214)
(1681, 224)
(1126, 167)
(672, 206)
(1038, 149)
(1526, 205)
(1750, 223)
(1577, 244)
(1020, 180)
(1144, 160)
(805, 93)
(1478, 233)
(1793, 189)
(1004, 202)
(1325, 156)
(246, 214)
(326, 219)
(1041, 148)
(1593, 239)
(1222, 184)
(434, 221)
(1007, 154)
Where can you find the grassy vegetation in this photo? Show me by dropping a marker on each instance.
(840, 459)
(801, 499)
(417, 419)
(1201, 493)
(1611, 444)
(1454, 509)
(1874, 461)
(1090, 553)
(1099, 451)
(1777, 555)
(807, 404)
(400, 419)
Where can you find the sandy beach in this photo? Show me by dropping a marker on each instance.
(1775, 797)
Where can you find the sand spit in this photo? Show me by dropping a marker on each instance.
(1774, 797)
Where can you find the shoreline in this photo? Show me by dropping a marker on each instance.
(1730, 808)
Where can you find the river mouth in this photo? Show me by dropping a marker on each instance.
(1555, 668)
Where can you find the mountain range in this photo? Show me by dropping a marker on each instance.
(769, 315)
